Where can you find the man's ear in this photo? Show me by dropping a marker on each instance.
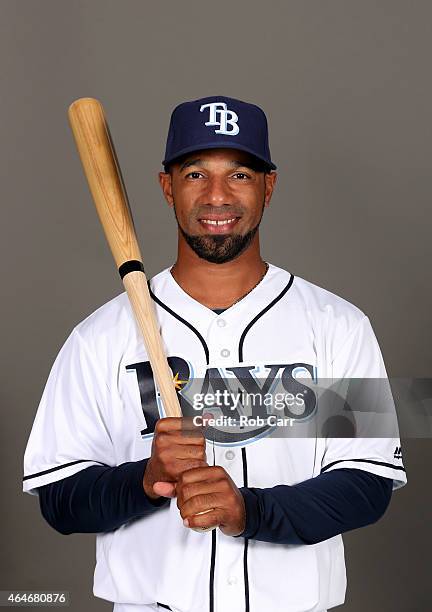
(165, 181)
(270, 181)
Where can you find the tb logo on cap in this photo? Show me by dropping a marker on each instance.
(226, 118)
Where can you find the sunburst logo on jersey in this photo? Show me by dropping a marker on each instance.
(178, 383)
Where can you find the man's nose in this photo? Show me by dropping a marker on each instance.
(218, 191)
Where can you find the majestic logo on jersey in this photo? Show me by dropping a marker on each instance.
(220, 116)
(398, 452)
(235, 386)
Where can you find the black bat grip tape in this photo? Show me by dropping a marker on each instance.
(133, 265)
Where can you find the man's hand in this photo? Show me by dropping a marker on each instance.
(178, 445)
(211, 488)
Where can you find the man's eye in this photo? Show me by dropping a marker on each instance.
(241, 175)
(194, 175)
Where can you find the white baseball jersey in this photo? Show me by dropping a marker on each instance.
(99, 407)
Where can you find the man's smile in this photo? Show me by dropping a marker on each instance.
(217, 224)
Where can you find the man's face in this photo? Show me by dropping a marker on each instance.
(218, 198)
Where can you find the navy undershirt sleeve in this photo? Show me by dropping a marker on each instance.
(98, 499)
(316, 509)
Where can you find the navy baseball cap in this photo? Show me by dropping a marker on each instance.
(218, 122)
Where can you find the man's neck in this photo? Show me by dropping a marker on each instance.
(219, 285)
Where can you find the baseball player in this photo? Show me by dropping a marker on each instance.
(214, 515)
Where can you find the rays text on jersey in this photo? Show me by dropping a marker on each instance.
(248, 391)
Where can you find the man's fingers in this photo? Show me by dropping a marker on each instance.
(189, 451)
(164, 489)
(184, 465)
(172, 470)
(204, 521)
(167, 454)
(181, 425)
(201, 503)
(169, 440)
(202, 487)
(209, 473)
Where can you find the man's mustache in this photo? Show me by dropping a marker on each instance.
(235, 210)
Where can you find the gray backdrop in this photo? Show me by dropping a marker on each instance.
(347, 89)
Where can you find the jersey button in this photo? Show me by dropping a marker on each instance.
(220, 322)
(225, 353)
(229, 455)
(232, 580)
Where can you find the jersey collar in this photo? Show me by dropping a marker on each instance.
(169, 292)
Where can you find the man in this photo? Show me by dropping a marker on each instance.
(214, 518)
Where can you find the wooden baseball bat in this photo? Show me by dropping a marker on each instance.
(101, 167)
(98, 157)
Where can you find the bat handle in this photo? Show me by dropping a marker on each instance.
(135, 283)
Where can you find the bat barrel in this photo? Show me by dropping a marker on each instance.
(101, 167)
